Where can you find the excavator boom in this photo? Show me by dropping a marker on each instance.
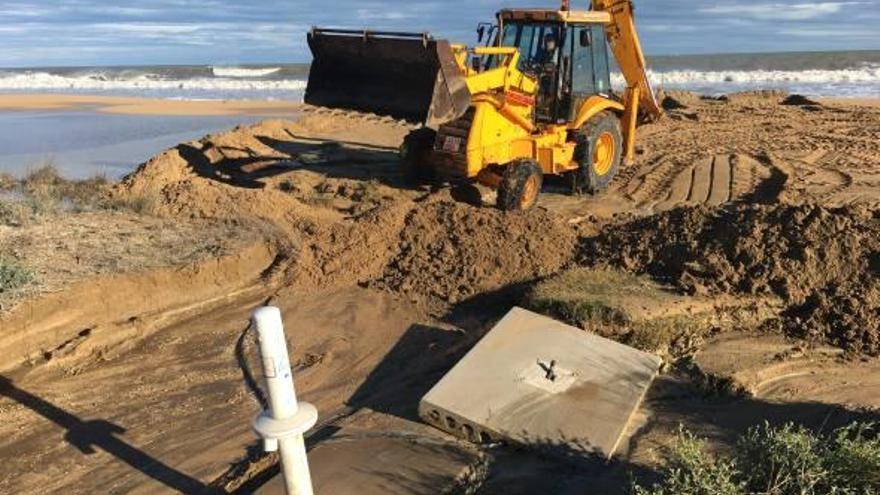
(624, 41)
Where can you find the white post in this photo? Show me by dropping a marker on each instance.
(283, 425)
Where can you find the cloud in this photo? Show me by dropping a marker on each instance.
(372, 15)
(779, 11)
(148, 28)
(830, 33)
(154, 32)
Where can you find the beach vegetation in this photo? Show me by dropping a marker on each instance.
(48, 191)
(606, 302)
(8, 181)
(143, 204)
(13, 276)
(14, 213)
(775, 460)
(43, 192)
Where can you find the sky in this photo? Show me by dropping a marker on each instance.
(148, 32)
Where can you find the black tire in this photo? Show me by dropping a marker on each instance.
(520, 185)
(588, 178)
(414, 152)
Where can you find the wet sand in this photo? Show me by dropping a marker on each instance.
(144, 106)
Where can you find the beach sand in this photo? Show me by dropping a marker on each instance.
(144, 106)
(862, 102)
(746, 206)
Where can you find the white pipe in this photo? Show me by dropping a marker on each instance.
(283, 425)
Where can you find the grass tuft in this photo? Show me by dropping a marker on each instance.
(142, 204)
(785, 460)
(14, 213)
(13, 276)
(585, 297)
(44, 192)
(692, 470)
(612, 303)
(8, 182)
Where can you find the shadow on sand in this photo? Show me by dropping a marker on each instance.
(247, 168)
(89, 435)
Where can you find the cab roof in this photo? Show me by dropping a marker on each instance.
(545, 15)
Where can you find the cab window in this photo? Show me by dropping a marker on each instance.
(582, 82)
(589, 64)
(602, 76)
(530, 40)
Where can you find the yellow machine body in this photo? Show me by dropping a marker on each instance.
(500, 126)
(485, 113)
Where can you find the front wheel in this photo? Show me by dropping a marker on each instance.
(520, 185)
(599, 152)
(414, 152)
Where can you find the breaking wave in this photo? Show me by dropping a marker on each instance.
(243, 72)
(157, 85)
(856, 78)
(44, 80)
(861, 81)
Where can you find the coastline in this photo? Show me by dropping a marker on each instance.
(124, 105)
(11, 102)
(853, 101)
(84, 135)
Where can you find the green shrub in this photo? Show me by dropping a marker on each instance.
(782, 461)
(13, 276)
(691, 470)
(786, 460)
(854, 460)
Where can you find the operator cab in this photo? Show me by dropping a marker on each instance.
(565, 51)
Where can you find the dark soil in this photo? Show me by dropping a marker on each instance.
(452, 251)
(821, 262)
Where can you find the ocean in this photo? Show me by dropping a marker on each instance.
(837, 74)
(85, 142)
(82, 144)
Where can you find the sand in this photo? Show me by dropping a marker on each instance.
(385, 285)
(143, 106)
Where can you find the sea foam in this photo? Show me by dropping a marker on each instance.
(275, 82)
(242, 72)
(864, 80)
(47, 81)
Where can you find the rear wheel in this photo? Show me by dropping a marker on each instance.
(414, 153)
(599, 152)
(520, 185)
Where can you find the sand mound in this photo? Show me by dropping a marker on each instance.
(341, 226)
(798, 100)
(758, 96)
(452, 251)
(822, 263)
(674, 100)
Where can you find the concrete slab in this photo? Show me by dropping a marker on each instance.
(377, 464)
(538, 382)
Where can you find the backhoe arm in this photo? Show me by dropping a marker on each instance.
(624, 41)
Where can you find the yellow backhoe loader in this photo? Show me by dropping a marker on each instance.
(536, 99)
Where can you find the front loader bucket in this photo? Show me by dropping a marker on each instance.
(407, 76)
